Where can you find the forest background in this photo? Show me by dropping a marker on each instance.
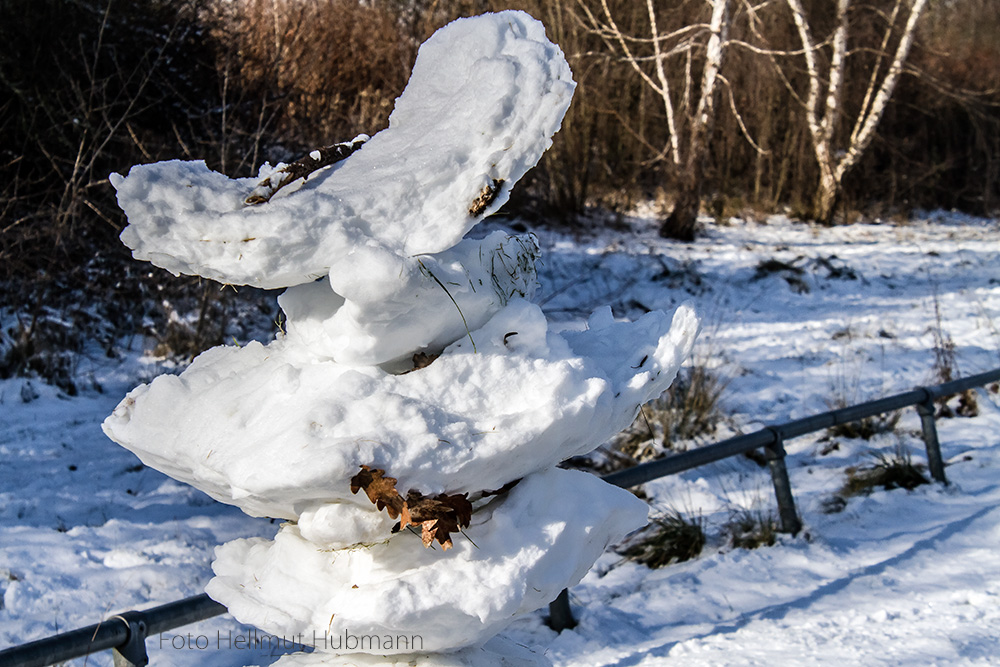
(90, 87)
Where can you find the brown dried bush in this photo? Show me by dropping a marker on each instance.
(329, 69)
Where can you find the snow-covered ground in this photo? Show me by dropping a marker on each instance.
(896, 577)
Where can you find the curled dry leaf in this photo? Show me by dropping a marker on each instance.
(422, 360)
(380, 490)
(437, 516)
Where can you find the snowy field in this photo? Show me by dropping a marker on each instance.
(794, 316)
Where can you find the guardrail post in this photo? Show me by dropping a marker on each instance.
(934, 461)
(775, 455)
(560, 615)
(133, 652)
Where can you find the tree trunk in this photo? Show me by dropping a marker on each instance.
(680, 224)
(822, 121)
(683, 219)
(826, 199)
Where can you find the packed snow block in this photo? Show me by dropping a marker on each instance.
(276, 431)
(384, 318)
(485, 97)
(521, 550)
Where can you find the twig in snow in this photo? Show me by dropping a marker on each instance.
(301, 168)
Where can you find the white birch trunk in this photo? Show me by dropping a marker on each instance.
(713, 62)
(680, 224)
(688, 127)
(822, 122)
(867, 122)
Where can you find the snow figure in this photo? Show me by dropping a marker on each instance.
(408, 424)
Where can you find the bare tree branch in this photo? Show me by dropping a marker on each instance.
(739, 118)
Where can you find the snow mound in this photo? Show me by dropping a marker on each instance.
(520, 552)
(483, 101)
(276, 432)
(498, 652)
(384, 320)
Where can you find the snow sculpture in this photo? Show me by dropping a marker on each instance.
(341, 426)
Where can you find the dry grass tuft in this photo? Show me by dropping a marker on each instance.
(752, 528)
(945, 369)
(692, 406)
(668, 539)
(894, 470)
(867, 428)
(689, 410)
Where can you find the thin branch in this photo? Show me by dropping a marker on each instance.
(302, 168)
(739, 118)
(768, 52)
(664, 83)
(873, 80)
(771, 53)
(692, 28)
(617, 34)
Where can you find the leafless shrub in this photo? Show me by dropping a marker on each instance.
(330, 69)
(848, 388)
(198, 314)
(84, 85)
(945, 369)
(42, 346)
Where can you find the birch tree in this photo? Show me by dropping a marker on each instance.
(689, 118)
(836, 153)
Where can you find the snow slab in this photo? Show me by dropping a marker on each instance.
(276, 432)
(484, 98)
(521, 550)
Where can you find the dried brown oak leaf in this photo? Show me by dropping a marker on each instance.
(421, 360)
(437, 516)
(380, 490)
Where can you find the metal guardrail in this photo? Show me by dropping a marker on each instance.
(772, 439)
(126, 633)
